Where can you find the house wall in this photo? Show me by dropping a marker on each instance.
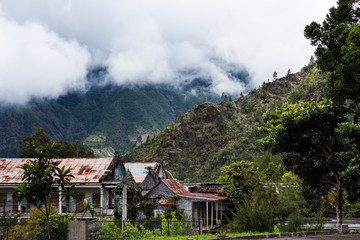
(187, 205)
(6, 195)
(148, 183)
(161, 172)
(160, 192)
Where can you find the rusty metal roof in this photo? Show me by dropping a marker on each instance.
(177, 188)
(167, 202)
(203, 196)
(174, 185)
(83, 169)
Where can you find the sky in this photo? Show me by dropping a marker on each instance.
(47, 47)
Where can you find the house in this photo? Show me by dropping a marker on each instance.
(100, 179)
(198, 206)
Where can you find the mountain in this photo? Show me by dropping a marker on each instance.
(106, 117)
(211, 135)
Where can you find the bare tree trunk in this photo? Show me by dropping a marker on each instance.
(339, 217)
(47, 219)
(339, 204)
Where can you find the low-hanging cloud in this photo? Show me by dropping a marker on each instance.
(36, 62)
(168, 41)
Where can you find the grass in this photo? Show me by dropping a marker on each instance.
(205, 236)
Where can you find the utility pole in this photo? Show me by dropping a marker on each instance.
(124, 200)
(4, 219)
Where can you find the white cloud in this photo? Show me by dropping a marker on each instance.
(156, 41)
(36, 62)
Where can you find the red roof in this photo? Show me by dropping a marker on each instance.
(83, 169)
(167, 202)
(177, 188)
(204, 196)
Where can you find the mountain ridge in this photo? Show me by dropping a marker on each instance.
(198, 143)
(104, 115)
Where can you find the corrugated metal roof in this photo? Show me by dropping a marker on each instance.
(167, 202)
(83, 169)
(203, 196)
(175, 186)
(139, 170)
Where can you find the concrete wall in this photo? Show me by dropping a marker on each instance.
(187, 205)
(77, 230)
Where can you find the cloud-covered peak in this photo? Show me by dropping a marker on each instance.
(51, 43)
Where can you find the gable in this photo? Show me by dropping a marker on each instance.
(160, 191)
(139, 170)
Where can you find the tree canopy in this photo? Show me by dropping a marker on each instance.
(243, 177)
(40, 143)
(319, 144)
(338, 49)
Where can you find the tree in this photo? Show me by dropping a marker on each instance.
(30, 144)
(266, 207)
(319, 145)
(275, 75)
(274, 172)
(38, 179)
(338, 49)
(41, 141)
(243, 178)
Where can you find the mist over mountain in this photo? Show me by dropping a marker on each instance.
(47, 48)
(105, 115)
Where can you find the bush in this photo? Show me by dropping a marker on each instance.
(267, 207)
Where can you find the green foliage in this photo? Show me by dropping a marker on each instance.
(319, 145)
(267, 207)
(148, 208)
(111, 231)
(243, 178)
(274, 172)
(77, 115)
(338, 49)
(275, 75)
(38, 179)
(59, 225)
(87, 206)
(132, 201)
(173, 209)
(40, 143)
(219, 134)
(25, 231)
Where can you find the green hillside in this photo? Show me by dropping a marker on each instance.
(211, 135)
(102, 117)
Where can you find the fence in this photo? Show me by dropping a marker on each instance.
(104, 230)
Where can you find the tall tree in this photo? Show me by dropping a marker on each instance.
(38, 179)
(338, 49)
(41, 141)
(320, 145)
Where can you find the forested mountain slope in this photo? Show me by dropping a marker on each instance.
(104, 117)
(211, 135)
